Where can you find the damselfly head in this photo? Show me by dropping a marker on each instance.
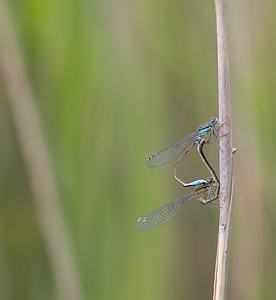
(210, 180)
(214, 122)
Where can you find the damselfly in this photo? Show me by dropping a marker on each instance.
(205, 192)
(183, 146)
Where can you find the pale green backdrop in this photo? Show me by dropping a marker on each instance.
(114, 81)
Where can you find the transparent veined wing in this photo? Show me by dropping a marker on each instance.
(166, 154)
(164, 213)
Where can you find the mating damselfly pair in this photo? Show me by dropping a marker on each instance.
(205, 191)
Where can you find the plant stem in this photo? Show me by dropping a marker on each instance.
(226, 157)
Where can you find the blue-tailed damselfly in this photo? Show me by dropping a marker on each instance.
(184, 145)
(205, 192)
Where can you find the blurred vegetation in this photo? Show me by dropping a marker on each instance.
(114, 82)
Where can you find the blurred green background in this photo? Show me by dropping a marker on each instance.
(112, 82)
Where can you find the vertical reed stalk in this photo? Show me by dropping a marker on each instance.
(226, 155)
